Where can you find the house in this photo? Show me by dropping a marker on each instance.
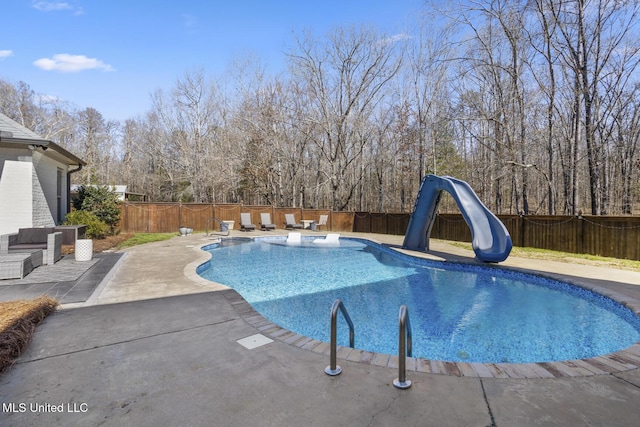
(35, 176)
(120, 190)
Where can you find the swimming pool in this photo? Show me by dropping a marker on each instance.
(462, 313)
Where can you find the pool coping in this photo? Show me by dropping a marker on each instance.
(621, 361)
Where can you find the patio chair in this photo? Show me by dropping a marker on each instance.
(265, 222)
(322, 222)
(245, 222)
(291, 222)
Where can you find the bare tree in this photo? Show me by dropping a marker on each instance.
(535, 103)
(496, 56)
(590, 36)
(93, 135)
(189, 121)
(542, 43)
(428, 97)
(344, 78)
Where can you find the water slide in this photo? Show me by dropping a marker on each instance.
(490, 239)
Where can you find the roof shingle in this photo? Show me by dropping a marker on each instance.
(13, 130)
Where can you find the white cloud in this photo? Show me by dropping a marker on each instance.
(5, 54)
(395, 38)
(50, 6)
(66, 63)
(48, 99)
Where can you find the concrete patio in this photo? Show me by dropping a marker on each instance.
(154, 344)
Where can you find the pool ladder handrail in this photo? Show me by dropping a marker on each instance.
(333, 368)
(404, 348)
(224, 228)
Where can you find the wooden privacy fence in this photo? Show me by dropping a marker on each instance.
(168, 217)
(617, 237)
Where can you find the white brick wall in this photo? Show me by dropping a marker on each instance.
(41, 212)
(22, 201)
(47, 170)
(16, 201)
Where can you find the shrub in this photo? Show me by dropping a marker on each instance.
(102, 202)
(96, 228)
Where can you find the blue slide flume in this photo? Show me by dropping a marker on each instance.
(491, 241)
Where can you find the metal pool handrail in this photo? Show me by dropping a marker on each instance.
(404, 348)
(333, 369)
(224, 228)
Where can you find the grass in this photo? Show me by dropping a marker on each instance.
(142, 238)
(18, 321)
(549, 255)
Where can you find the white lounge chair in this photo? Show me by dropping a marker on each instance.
(331, 239)
(294, 238)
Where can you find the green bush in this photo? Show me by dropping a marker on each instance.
(102, 202)
(96, 228)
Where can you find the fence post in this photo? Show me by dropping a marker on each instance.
(123, 216)
(580, 233)
(386, 223)
(331, 219)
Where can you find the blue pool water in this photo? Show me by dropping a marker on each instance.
(458, 312)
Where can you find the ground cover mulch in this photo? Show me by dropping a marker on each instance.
(101, 245)
(18, 322)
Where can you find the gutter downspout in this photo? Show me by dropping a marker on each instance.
(78, 169)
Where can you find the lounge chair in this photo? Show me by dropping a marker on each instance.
(265, 222)
(291, 222)
(294, 238)
(322, 222)
(245, 222)
(331, 239)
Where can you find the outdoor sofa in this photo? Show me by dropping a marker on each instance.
(30, 240)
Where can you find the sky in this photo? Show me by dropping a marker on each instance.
(112, 54)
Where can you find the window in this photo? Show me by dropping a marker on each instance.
(59, 197)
